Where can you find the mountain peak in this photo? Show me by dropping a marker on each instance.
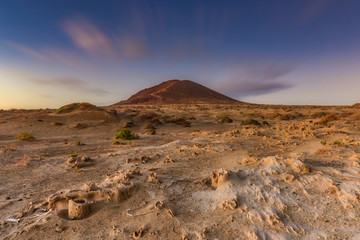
(179, 92)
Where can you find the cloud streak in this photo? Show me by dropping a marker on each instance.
(70, 83)
(252, 80)
(66, 57)
(32, 52)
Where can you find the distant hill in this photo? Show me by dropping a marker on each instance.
(179, 92)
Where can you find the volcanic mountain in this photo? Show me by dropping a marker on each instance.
(179, 92)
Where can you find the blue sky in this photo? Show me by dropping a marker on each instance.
(273, 52)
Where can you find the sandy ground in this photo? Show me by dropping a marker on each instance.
(293, 178)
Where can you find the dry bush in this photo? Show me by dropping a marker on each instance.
(225, 119)
(328, 118)
(147, 116)
(319, 114)
(25, 136)
(179, 121)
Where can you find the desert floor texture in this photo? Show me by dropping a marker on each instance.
(200, 176)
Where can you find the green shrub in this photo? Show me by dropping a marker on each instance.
(250, 122)
(126, 134)
(73, 155)
(25, 136)
(225, 119)
(265, 123)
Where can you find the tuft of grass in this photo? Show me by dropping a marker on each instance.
(250, 122)
(225, 119)
(338, 143)
(79, 143)
(323, 143)
(25, 136)
(265, 123)
(126, 134)
(195, 130)
(73, 155)
(76, 169)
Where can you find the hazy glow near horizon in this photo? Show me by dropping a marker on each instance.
(273, 52)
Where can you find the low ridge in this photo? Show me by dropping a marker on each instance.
(179, 92)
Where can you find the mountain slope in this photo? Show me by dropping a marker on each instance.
(179, 92)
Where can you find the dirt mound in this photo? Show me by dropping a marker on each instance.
(179, 92)
(83, 111)
(356, 105)
(73, 107)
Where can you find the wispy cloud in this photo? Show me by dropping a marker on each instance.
(313, 9)
(89, 38)
(70, 83)
(255, 79)
(64, 56)
(132, 47)
(67, 57)
(32, 52)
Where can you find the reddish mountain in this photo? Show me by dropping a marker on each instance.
(179, 92)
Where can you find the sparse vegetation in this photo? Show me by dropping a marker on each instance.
(319, 114)
(126, 134)
(250, 122)
(79, 143)
(323, 143)
(338, 143)
(76, 169)
(59, 110)
(265, 123)
(25, 136)
(179, 120)
(73, 155)
(195, 130)
(225, 119)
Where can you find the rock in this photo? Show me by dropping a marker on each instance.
(219, 177)
(138, 233)
(78, 208)
(153, 178)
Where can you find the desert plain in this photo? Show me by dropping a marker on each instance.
(197, 171)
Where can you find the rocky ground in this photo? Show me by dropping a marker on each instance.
(209, 172)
